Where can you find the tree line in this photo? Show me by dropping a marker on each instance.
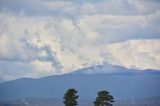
(103, 98)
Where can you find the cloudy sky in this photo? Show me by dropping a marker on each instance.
(47, 37)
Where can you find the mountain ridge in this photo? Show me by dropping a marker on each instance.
(121, 84)
(102, 69)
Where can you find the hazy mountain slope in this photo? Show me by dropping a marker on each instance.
(123, 84)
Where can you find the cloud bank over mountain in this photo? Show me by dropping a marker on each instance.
(45, 37)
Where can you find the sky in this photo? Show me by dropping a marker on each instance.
(50, 37)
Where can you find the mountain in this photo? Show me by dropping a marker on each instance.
(122, 83)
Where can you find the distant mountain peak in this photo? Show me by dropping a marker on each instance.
(109, 69)
(101, 69)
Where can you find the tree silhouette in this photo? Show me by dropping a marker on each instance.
(70, 97)
(103, 99)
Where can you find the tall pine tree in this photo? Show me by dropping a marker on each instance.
(70, 97)
(103, 99)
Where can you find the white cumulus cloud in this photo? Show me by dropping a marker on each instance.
(141, 54)
(57, 37)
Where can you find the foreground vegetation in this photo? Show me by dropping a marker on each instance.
(71, 98)
(103, 98)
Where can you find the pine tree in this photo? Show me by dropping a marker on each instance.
(70, 97)
(103, 99)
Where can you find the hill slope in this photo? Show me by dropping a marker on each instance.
(123, 84)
